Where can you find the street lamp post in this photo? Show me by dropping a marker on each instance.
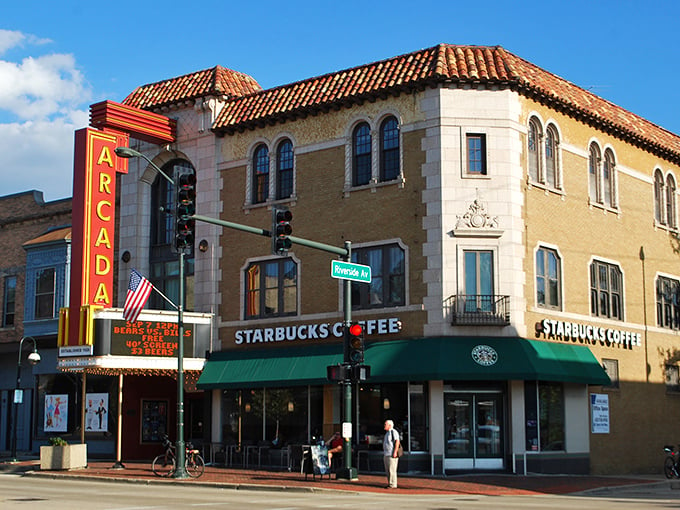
(180, 471)
(33, 359)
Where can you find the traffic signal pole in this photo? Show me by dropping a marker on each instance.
(348, 472)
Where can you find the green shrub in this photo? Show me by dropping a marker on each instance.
(57, 441)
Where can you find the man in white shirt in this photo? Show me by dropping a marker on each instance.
(390, 447)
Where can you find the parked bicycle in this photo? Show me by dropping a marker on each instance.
(670, 465)
(166, 464)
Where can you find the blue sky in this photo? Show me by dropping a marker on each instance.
(57, 58)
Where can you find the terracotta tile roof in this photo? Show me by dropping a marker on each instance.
(441, 65)
(217, 81)
(248, 106)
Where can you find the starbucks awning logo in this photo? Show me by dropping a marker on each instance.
(484, 355)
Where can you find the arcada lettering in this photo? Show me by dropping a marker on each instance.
(312, 331)
(588, 333)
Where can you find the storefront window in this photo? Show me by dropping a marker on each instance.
(378, 403)
(60, 405)
(544, 413)
(419, 425)
(279, 416)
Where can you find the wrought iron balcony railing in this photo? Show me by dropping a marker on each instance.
(478, 310)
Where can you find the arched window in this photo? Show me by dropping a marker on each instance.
(659, 198)
(389, 149)
(609, 179)
(261, 174)
(534, 141)
(163, 263)
(594, 173)
(361, 151)
(670, 202)
(551, 164)
(284, 170)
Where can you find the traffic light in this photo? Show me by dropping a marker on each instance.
(355, 344)
(281, 229)
(185, 208)
(337, 372)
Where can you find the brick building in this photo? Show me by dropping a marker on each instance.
(522, 236)
(35, 236)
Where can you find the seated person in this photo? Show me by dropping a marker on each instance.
(334, 444)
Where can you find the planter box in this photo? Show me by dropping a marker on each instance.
(71, 456)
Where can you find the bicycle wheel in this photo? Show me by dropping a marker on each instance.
(669, 468)
(195, 465)
(162, 466)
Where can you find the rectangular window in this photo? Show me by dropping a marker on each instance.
(547, 278)
(476, 154)
(44, 293)
(388, 277)
(544, 413)
(271, 289)
(668, 303)
(606, 290)
(672, 379)
(611, 366)
(9, 302)
(479, 281)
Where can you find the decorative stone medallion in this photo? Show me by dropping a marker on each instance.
(484, 355)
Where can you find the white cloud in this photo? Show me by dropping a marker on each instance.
(40, 87)
(39, 155)
(12, 38)
(48, 96)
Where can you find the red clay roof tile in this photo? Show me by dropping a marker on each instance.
(248, 106)
(217, 81)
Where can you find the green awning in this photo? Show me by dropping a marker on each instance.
(416, 359)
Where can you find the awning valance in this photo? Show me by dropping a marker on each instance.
(416, 359)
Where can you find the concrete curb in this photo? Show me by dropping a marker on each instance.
(193, 483)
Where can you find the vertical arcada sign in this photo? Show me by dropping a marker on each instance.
(94, 198)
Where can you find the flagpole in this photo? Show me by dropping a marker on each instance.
(165, 297)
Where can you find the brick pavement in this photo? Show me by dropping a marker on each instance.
(488, 484)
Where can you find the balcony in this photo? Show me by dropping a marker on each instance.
(478, 310)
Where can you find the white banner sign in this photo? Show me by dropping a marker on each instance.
(599, 413)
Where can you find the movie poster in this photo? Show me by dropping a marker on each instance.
(56, 413)
(96, 412)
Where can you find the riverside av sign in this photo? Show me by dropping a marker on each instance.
(350, 271)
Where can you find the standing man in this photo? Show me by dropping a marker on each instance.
(390, 447)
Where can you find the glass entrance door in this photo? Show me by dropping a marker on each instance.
(474, 430)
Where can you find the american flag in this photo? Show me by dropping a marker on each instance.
(138, 292)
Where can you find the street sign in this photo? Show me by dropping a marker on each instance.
(350, 271)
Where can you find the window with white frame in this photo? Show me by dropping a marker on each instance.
(606, 290)
(611, 366)
(659, 193)
(476, 153)
(667, 303)
(533, 148)
(672, 378)
(543, 159)
(284, 169)
(671, 219)
(388, 277)
(260, 174)
(361, 155)
(602, 177)
(271, 288)
(44, 293)
(389, 149)
(552, 168)
(548, 278)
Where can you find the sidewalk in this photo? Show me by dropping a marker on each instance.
(487, 484)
